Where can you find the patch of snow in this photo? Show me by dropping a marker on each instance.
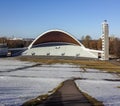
(98, 76)
(47, 72)
(105, 91)
(6, 64)
(16, 90)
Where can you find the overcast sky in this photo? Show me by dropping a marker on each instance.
(29, 18)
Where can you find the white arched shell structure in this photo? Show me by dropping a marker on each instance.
(58, 43)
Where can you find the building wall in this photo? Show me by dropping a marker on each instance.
(64, 50)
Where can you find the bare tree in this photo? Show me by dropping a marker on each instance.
(86, 41)
(117, 47)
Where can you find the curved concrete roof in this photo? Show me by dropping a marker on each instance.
(55, 36)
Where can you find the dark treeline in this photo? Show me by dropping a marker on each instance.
(114, 44)
(87, 41)
(15, 43)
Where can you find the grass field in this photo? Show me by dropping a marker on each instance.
(92, 64)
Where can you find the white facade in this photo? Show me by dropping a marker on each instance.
(65, 50)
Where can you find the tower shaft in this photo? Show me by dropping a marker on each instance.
(105, 40)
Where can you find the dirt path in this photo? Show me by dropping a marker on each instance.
(67, 95)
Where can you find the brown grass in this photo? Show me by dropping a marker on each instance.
(92, 64)
(118, 86)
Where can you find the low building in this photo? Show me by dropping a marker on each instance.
(59, 43)
(3, 49)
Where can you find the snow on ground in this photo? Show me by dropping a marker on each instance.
(19, 85)
(48, 72)
(94, 74)
(9, 64)
(103, 90)
(16, 90)
(20, 81)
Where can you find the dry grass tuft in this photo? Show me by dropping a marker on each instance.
(93, 100)
(118, 86)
